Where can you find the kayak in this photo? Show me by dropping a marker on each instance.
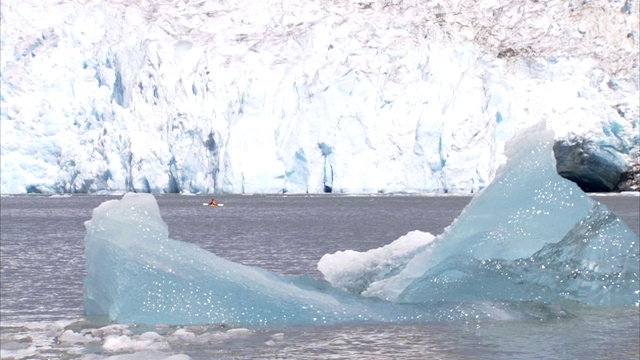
(207, 204)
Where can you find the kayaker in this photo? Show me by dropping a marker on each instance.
(213, 203)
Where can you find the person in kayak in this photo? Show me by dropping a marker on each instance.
(213, 203)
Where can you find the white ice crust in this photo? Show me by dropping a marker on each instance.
(266, 97)
(354, 271)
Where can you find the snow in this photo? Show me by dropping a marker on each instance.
(246, 97)
(530, 237)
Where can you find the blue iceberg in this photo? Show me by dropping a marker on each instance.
(136, 274)
(527, 242)
(530, 235)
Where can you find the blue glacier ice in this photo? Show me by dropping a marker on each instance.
(137, 274)
(530, 235)
(531, 240)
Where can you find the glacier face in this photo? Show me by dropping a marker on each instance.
(239, 97)
(523, 243)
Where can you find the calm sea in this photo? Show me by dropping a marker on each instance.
(42, 266)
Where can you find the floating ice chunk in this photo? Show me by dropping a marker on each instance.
(147, 341)
(71, 337)
(113, 329)
(136, 274)
(595, 263)
(184, 333)
(354, 271)
(499, 247)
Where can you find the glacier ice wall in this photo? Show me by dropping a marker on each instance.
(234, 96)
(528, 241)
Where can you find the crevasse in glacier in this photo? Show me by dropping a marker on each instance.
(531, 237)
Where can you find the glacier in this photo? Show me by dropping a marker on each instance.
(310, 97)
(528, 242)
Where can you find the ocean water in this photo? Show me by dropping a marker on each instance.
(42, 269)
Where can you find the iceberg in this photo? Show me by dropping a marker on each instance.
(529, 241)
(137, 274)
(530, 235)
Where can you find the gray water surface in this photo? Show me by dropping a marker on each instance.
(42, 269)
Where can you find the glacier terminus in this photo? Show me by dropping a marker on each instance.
(312, 96)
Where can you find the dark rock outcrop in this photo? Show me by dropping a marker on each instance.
(592, 167)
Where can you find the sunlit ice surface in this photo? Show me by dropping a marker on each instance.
(530, 235)
(529, 242)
